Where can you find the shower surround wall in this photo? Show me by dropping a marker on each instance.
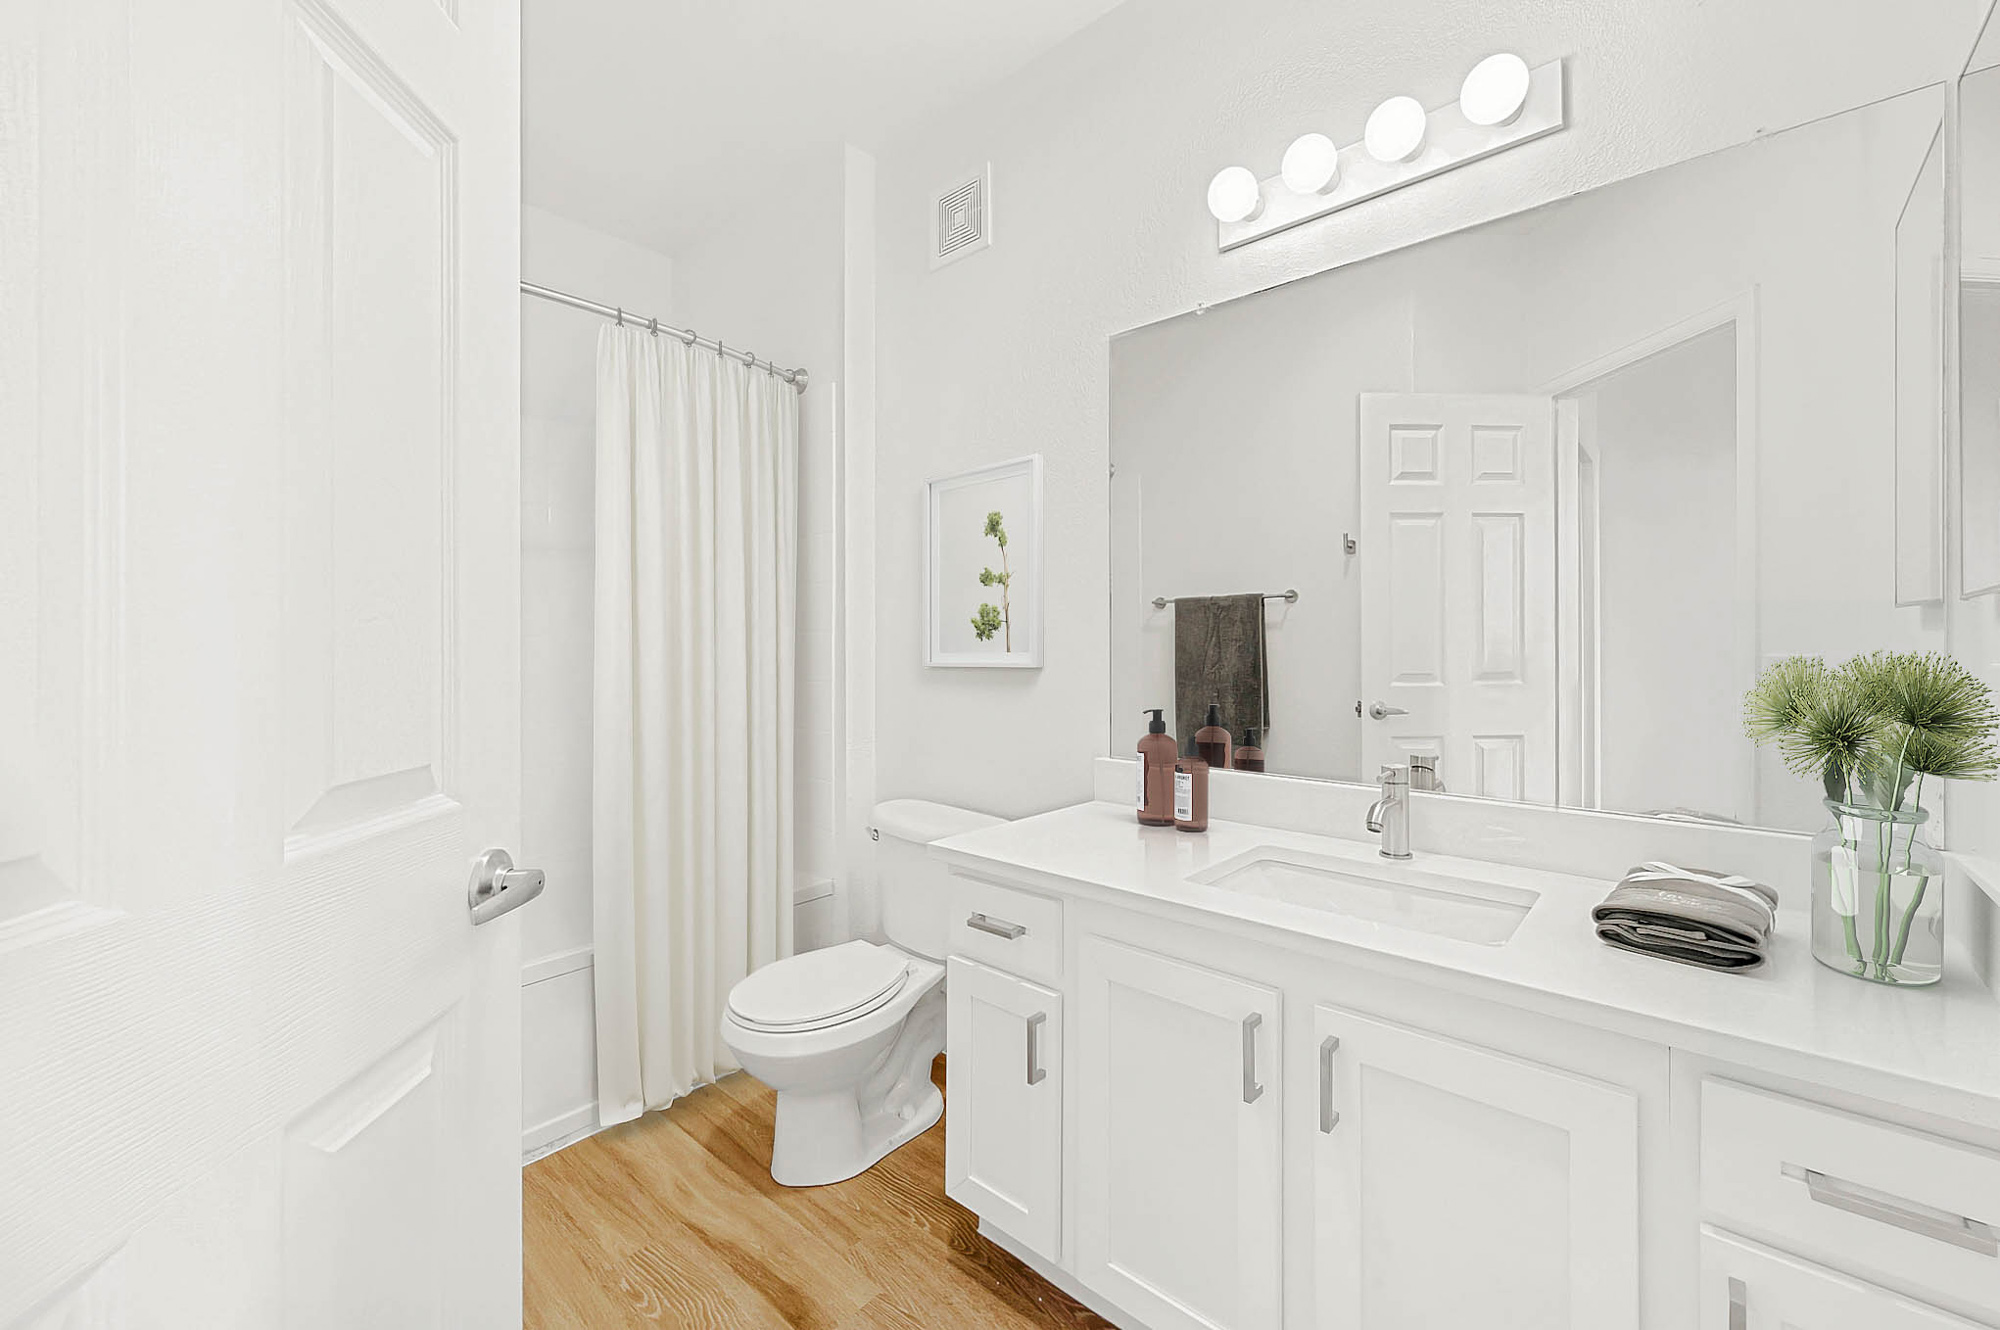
(778, 315)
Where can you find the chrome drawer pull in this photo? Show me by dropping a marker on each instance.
(997, 927)
(1912, 1216)
(1037, 1073)
(1252, 1091)
(1329, 1117)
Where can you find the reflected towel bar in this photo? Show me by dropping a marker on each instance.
(1289, 597)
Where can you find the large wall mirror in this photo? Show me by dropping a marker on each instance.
(1552, 490)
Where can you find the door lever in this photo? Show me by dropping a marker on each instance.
(497, 886)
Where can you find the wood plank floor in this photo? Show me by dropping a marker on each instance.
(673, 1220)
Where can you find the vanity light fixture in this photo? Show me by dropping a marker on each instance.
(1501, 105)
(1396, 130)
(1312, 164)
(1234, 195)
(1495, 91)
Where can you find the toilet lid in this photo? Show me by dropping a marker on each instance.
(820, 988)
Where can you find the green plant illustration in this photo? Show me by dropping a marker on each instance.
(999, 618)
(1871, 732)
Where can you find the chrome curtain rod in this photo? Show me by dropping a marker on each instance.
(1289, 597)
(795, 377)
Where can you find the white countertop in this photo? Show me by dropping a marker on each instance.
(1946, 1037)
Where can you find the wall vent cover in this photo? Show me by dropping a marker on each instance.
(962, 218)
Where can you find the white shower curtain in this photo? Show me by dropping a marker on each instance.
(692, 708)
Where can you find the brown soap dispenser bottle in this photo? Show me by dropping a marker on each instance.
(1211, 741)
(1157, 751)
(1249, 755)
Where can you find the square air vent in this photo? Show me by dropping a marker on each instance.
(962, 218)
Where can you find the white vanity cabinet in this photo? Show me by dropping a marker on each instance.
(1179, 1135)
(1195, 1112)
(1457, 1186)
(1004, 1078)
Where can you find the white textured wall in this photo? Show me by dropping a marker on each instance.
(1101, 152)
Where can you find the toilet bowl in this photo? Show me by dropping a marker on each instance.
(846, 1035)
(848, 1046)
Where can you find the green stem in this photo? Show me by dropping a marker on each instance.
(1916, 893)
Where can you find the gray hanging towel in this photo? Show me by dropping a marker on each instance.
(1219, 657)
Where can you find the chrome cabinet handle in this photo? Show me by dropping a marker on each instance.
(1739, 1306)
(1329, 1118)
(1382, 711)
(1252, 1091)
(997, 927)
(1037, 1073)
(1911, 1216)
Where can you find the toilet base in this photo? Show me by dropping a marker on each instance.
(825, 1135)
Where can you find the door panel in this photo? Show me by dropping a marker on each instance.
(1519, 1180)
(258, 675)
(1745, 1286)
(1179, 1191)
(1003, 1136)
(1458, 588)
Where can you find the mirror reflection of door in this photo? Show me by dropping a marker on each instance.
(1458, 655)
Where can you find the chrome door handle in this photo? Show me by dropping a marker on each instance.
(1382, 711)
(1037, 1073)
(1911, 1216)
(997, 927)
(497, 886)
(1329, 1117)
(1252, 1091)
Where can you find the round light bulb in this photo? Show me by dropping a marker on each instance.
(1234, 195)
(1395, 130)
(1495, 91)
(1312, 164)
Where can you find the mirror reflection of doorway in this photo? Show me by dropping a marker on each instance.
(1656, 468)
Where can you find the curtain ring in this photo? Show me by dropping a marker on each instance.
(654, 326)
(621, 316)
(689, 337)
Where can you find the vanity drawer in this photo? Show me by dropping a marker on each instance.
(1009, 929)
(1877, 1200)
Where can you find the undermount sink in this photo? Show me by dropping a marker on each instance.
(1398, 895)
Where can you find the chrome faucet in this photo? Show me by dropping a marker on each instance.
(1390, 815)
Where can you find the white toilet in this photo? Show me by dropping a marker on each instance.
(846, 1035)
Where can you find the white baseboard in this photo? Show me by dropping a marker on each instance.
(545, 1138)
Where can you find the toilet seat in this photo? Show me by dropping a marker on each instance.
(816, 990)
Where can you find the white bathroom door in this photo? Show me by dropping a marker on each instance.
(258, 663)
(1458, 603)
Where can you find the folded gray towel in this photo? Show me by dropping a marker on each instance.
(1696, 916)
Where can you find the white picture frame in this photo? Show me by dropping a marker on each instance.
(957, 549)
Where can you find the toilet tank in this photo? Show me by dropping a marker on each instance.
(912, 882)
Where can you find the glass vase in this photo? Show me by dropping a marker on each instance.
(1878, 896)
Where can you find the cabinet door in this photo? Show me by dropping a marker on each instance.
(1177, 1205)
(1455, 1186)
(1003, 1083)
(1748, 1287)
